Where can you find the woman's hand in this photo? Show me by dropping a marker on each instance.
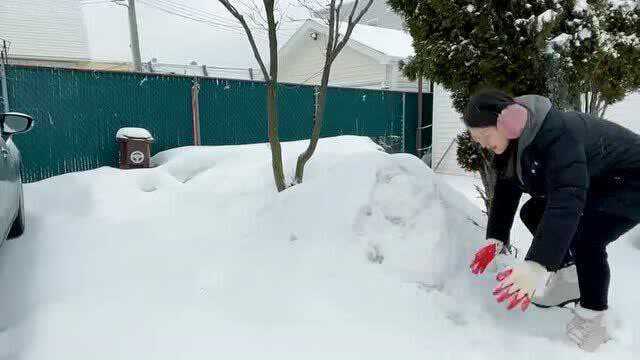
(485, 255)
(519, 283)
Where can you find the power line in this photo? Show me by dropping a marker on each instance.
(199, 18)
(205, 16)
(95, 2)
(202, 12)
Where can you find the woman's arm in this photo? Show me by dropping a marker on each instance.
(566, 182)
(506, 197)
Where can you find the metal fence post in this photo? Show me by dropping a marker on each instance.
(404, 128)
(195, 107)
(3, 76)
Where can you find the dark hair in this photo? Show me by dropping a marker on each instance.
(484, 107)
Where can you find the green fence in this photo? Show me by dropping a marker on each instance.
(77, 114)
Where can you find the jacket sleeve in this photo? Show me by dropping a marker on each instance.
(506, 197)
(566, 183)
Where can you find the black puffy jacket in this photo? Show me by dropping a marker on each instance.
(577, 163)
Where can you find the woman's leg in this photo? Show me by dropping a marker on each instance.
(595, 232)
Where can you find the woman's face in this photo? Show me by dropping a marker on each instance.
(490, 138)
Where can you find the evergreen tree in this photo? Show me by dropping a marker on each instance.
(596, 51)
(583, 54)
(469, 44)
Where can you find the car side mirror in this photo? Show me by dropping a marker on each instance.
(15, 123)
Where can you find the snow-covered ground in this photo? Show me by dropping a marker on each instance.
(200, 258)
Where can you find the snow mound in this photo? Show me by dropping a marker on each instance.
(200, 256)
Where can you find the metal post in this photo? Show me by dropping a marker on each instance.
(195, 107)
(205, 72)
(133, 31)
(419, 132)
(3, 76)
(404, 133)
(251, 73)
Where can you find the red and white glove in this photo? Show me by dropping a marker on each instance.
(485, 255)
(520, 283)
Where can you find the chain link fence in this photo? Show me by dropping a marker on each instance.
(78, 113)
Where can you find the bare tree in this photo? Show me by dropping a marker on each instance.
(271, 78)
(338, 37)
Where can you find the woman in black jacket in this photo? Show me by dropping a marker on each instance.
(583, 175)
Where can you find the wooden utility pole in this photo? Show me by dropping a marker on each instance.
(133, 31)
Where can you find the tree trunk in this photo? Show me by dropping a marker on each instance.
(318, 118)
(272, 99)
(276, 150)
(271, 78)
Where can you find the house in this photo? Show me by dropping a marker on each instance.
(44, 32)
(379, 14)
(370, 60)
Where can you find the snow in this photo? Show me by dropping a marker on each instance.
(391, 42)
(133, 133)
(580, 6)
(200, 257)
(584, 34)
(546, 17)
(561, 41)
(626, 4)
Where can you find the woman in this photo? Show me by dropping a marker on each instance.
(583, 175)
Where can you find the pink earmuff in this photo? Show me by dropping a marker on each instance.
(512, 120)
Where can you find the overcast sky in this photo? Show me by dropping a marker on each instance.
(175, 39)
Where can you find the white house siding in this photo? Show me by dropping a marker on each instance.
(44, 29)
(401, 83)
(350, 69)
(446, 125)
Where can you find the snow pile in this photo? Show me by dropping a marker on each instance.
(133, 133)
(200, 257)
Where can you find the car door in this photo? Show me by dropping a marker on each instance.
(5, 193)
(14, 179)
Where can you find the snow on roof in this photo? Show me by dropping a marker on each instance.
(390, 42)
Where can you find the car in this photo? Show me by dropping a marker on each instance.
(12, 219)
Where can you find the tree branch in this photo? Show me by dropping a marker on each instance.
(332, 19)
(252, 41)
(337, 24)
(273, 40)
(351, 24)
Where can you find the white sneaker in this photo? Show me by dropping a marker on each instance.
(562, 289)
(588, 329)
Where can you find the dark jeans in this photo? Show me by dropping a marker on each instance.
(588, 249)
